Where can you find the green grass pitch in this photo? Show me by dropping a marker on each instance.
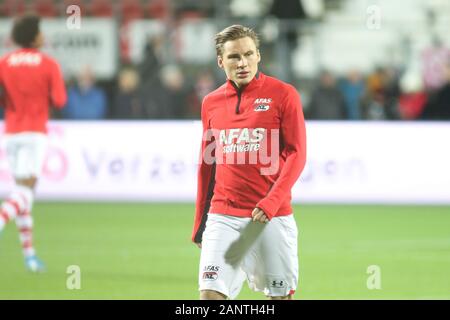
(143, 251)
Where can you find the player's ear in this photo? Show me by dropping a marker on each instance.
(38, 41)
(259, 55)
(220, 61)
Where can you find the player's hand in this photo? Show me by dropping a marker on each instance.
(259, 215)
(198, 244)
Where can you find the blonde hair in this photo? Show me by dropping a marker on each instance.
(234, 32)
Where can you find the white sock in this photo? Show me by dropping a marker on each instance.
(17, 202)
(24, 223)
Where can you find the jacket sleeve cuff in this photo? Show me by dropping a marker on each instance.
(270, 208)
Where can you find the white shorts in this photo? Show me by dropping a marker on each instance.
(235, 249)
(26, 152)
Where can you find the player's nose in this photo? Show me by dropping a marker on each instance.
(242, 62)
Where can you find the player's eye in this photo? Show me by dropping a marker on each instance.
(234, 57)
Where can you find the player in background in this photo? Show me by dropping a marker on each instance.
(244, 222)
(30, 82)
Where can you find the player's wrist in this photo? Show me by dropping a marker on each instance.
(265, 208)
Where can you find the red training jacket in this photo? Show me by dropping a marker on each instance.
(29, 82)
(253, 150)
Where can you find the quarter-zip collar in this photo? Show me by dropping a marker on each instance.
(255, 83)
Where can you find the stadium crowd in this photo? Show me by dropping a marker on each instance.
(161, 89)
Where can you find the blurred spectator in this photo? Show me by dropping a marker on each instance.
(413, 98)
(392, 93)
(128, 103)
(167, 99)
(438, 107)
(150, 67)
(289, 10)
(434, 60)
(85, 100)
(204, 84)
(289, 13)
(327, 102)
(352, 87)
(380, 102)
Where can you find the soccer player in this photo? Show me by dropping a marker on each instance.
(244, 223)
(29, 82)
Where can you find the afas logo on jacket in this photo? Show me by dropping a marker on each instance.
(262, 104)
(263, 100)
(241, 135)
(241, 139)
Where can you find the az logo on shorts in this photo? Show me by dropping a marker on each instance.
(211, 276)
(278, 284)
